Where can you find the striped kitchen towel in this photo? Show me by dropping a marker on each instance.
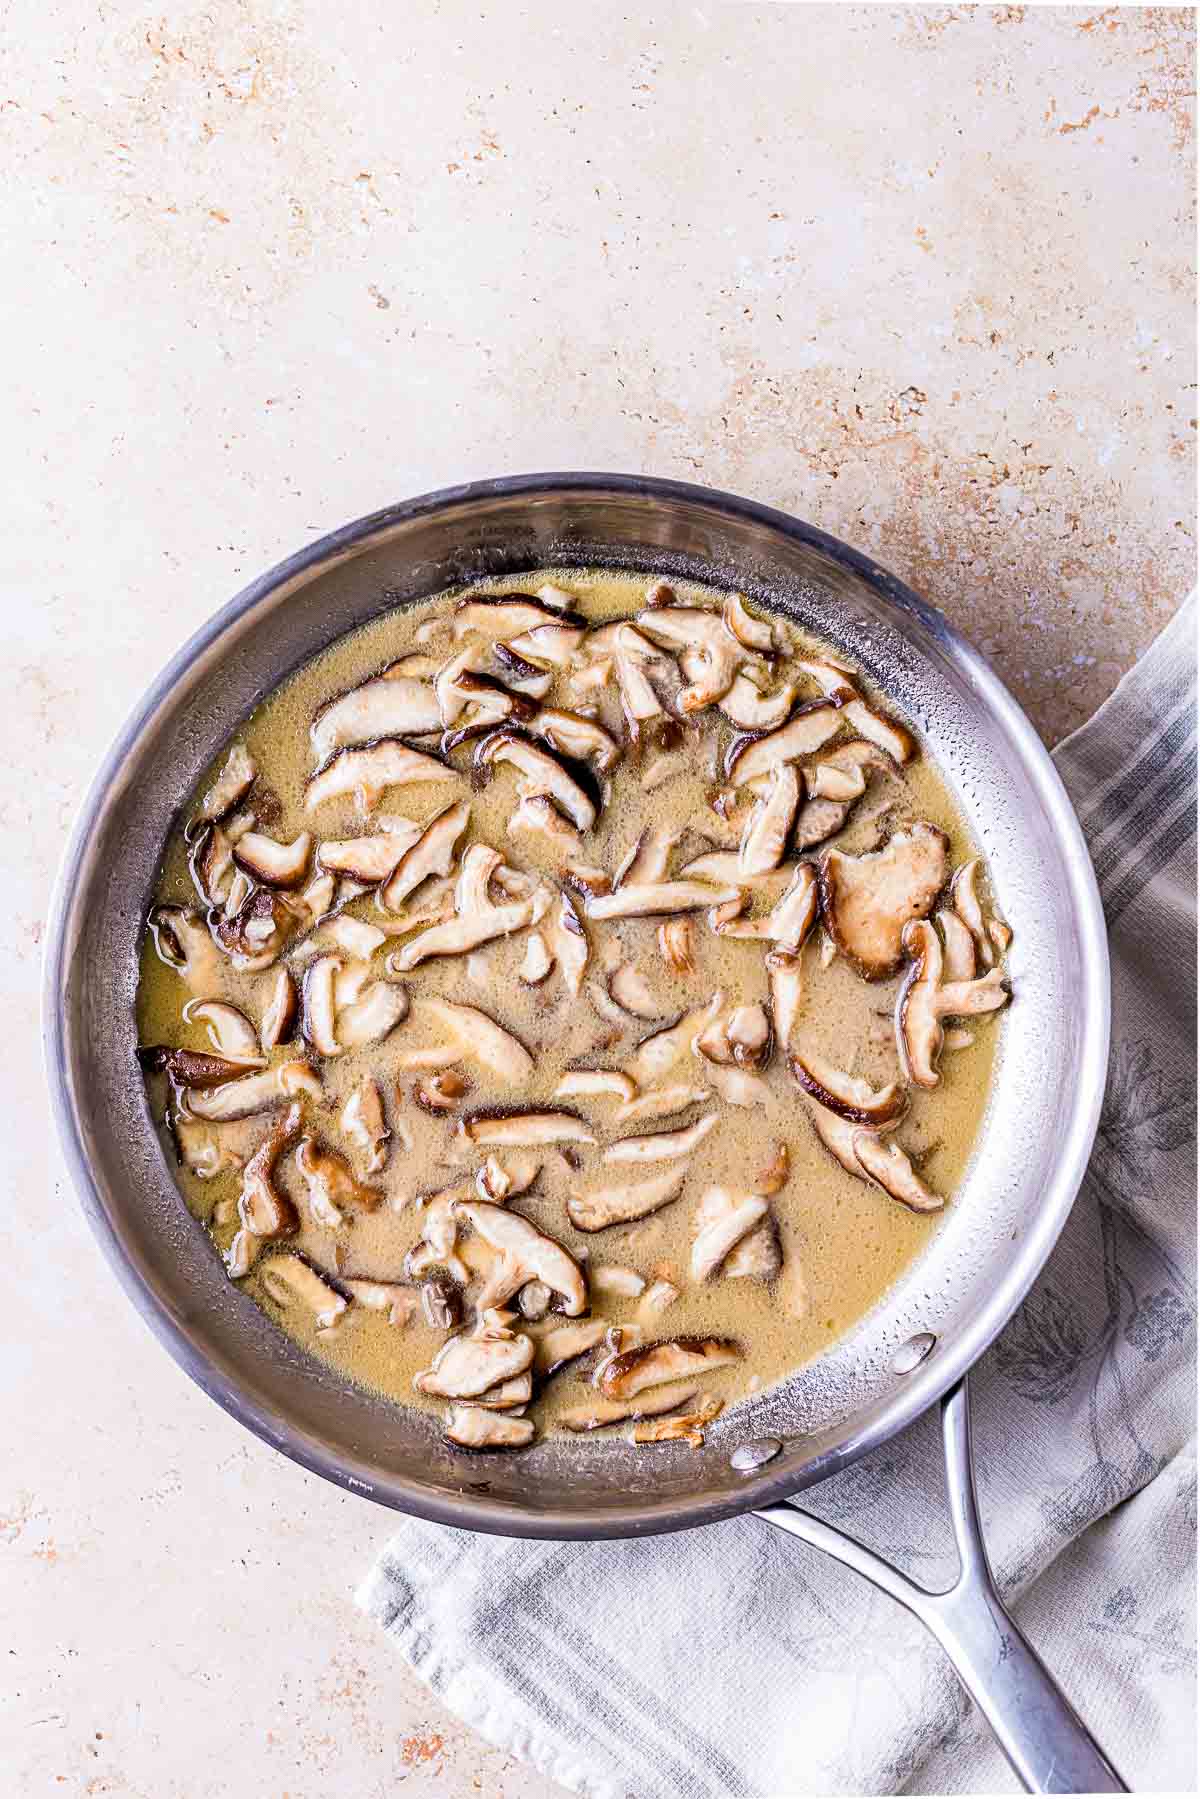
(731, 1661)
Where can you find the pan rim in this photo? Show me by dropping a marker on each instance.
(646, 1516)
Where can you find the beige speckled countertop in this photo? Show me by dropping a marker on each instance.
(921, 276)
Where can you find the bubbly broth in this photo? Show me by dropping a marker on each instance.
(844, 1239)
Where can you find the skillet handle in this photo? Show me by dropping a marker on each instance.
(1042, 1736)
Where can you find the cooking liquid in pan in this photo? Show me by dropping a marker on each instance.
(844, 1240)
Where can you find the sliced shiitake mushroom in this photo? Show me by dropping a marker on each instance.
(526, 1254)
(211, 864)
(759, 1255)
(290, 1280)
(537, 815)
(207, 1149)
(664, 1102)
(767, 832)
(368, 859)
(598, 1414)
(477, 918)
(671, 1359)
(621, 651)
(676, 940)
(520, 1130)
(744, 1038)
(363, 1121)
(710, 656)
(964, 889)
(442, 1093)
(391, 705)
(757, 634)
(578, 738)
(610, 1279)
(282, 1012)
(432, 853)
(658, 897)
(890, 736)
(809, 728)
(496, 618)
(867, 901)
(958, 946)
(259, 1092)
(786, 981)
(230, 1031)
(658, 1298)
(467, 1366)
(852, 1099)
(474, 1427)
(541, 774)
(890, 1168)
(265, 1212)
(256, 935)
(925, 999)
(537, 964)
(661, 1146)
(649, 859)
(628, 988)
(687, 1428)
(368, 773)
(231, 785)
(191, 1068)
(480, 1037)
(594, 1083)
(723, 1217)
(658, 1053)
(355, 936)
(273, 864)
(606, 1206)
(182, 941)
(437, 1247)
(747, 707)
(568, 942)
(566, 1343)
(319, 1022)
(398, 1302)
(332, 1185)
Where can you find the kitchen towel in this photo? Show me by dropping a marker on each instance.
(732, 1661)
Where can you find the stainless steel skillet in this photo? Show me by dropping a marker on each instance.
(912, 1351)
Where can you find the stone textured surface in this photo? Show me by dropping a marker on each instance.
(919, 275)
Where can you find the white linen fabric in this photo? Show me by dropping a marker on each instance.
(732, 1661)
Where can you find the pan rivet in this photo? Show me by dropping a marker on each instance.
(910, 1355)
(749, 1456)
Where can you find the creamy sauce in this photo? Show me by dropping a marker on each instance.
(845, 1241)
